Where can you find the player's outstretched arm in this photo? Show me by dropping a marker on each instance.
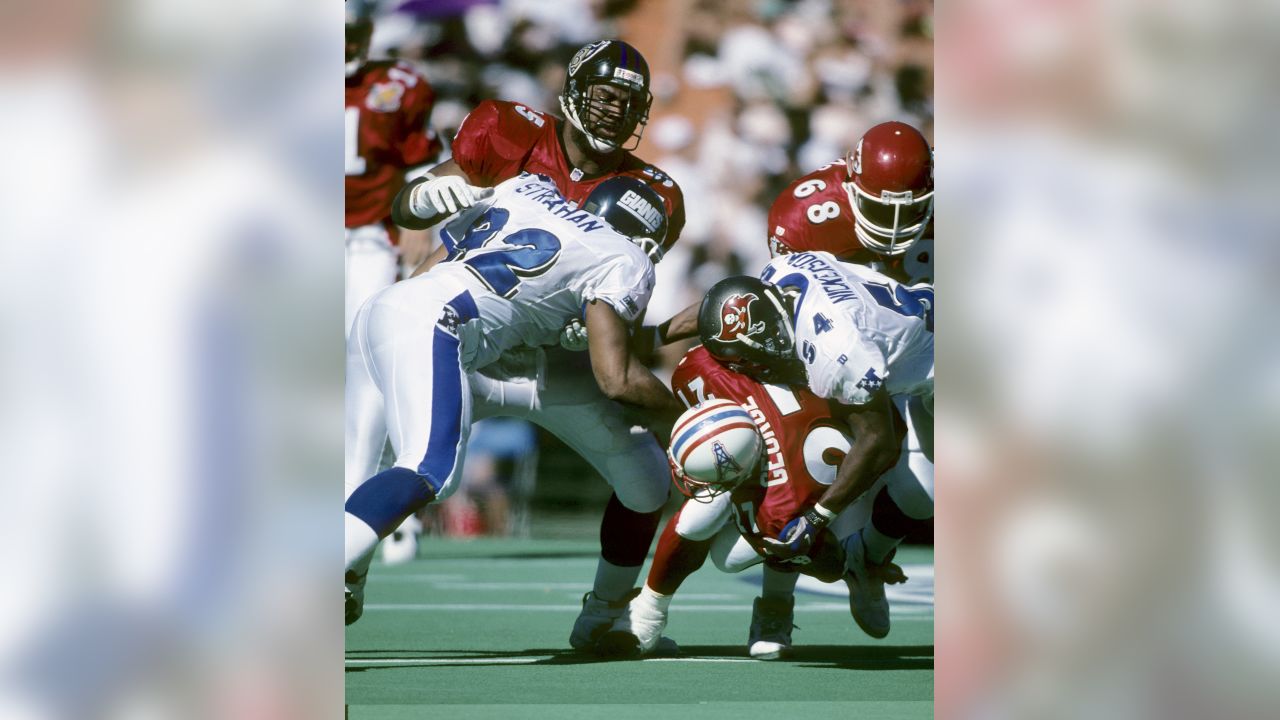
(875, 450)
(424, 201)
(682, 325)
(620, 375)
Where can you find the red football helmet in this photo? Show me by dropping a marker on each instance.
(891, 187)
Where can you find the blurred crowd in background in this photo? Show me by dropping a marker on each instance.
(748, 96)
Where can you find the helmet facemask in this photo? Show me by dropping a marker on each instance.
(891, 223)
(611, 115)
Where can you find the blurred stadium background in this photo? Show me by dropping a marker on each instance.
(172, 375)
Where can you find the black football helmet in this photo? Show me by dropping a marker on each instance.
(359, 34)
(633, 209)
(612, 118)
(746, 325)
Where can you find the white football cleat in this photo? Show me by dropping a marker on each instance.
(771, 623)
(867, 602)
(596, 618)
(642, 624)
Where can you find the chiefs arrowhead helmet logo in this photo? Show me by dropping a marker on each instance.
(735, 318)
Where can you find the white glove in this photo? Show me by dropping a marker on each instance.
(650, 248)
(573, 336)
(444, 195)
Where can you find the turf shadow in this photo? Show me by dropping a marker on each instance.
(468, 658)
(847, 657)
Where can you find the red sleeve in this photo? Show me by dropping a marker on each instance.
(674, 200)
(495, 141)
(420, 142)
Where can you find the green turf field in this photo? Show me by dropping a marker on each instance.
(480, 629)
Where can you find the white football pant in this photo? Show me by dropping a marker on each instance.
(556, 389)
(372, 263)
(405, 382)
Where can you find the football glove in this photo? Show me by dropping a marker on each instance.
(573, 336)
(799, 535)
(443, 195)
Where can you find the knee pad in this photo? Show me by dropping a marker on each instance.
(731, 552)
(640, 476)
(701, 521)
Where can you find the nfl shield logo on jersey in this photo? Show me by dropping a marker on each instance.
(735, 317)
(449, 321)
(870, 382)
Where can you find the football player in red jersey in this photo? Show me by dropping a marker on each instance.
(874, 207)
(388, 106)
(804, 439)
(605, 103)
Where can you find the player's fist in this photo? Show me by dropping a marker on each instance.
(799, 535)
(443, 195)
(573, 336)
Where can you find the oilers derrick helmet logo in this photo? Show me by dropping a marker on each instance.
(735, 318)
(715, 446)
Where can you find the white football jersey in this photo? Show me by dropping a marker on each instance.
(857, 330)
(533, 261)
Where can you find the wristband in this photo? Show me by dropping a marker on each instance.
(424, 210)
(826, 515)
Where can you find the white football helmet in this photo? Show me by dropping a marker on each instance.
(714, 447)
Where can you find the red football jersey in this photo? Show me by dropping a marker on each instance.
(500, 139)
(388, 105)
(813, 213)
(802, 437)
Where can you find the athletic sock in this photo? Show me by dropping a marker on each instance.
(778, 585)
(625, 536)
(878, 544)
(386, 499)
(360, 542)
(613, 582)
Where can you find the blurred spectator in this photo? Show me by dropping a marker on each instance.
(497, 482)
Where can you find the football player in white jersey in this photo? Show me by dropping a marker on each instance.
(856, 337)
(521, 262)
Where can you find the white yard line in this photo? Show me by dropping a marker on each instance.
(517, 660)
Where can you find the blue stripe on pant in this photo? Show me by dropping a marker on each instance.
(386, 499)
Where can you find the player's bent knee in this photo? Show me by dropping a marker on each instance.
(731, 552)
(700, 521)
(642, 486)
